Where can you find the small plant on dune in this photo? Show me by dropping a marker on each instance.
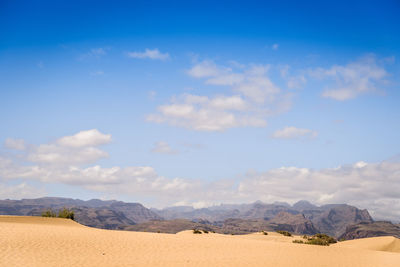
(195, 231)
(342, 239)
(325, 237)
(66, 214)
(264, 232)
(285, 233)
(48, 213)
(317, 239)
(205, 231)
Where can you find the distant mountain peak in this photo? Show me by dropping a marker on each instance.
(303, 205)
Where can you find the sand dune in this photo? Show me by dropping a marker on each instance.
(36, 241)
(383, 243)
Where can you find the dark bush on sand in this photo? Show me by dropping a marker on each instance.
(285, 233)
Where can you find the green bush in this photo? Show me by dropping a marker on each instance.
(317, 241)
(328, 238)
(321, 240)
(48, 213)
(66, 213)
(285, 233)
(264, 232)
(205, 231)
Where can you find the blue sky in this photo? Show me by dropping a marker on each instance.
(201, 103)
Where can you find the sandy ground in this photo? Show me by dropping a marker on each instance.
(36, 241)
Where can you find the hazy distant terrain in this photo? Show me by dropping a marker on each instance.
(95, 213)
(339, 220)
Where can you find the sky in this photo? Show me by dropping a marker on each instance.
(202, 103)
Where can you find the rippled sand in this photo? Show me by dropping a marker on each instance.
(37, 241)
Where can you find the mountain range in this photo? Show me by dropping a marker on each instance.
(339, 220)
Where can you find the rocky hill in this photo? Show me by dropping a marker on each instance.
(295, 223)
(335, 218)
(95, 212)
(330, 219)
(371, 229)
(302, 218)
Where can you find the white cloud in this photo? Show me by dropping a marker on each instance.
(85, 138)
(22, 190)
(254, 97)
(293, 81)
(150, 54)
(80, 148)
(351, 80)
(204, 69)
(18, 144)
(366, 185)
(252, 82)
(296, 81)
(55, 154)
(374, 186)
(162, 147)
(291, 132)
(258, 88)
(275, 46)
(226, 79)
(205, 114)
(228, 103)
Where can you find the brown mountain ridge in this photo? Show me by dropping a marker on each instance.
(301, 218)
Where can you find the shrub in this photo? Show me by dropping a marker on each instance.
(48, 213)
(66, 213)
(298, 241)
(264, 232)
(205, 231)
(328, 238)
(321, 240)
(317, 241)
(195, 231)
(285, 233)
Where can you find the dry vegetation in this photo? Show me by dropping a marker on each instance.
(317, 239)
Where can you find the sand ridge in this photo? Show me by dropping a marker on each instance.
(36, 241)
(382, 243)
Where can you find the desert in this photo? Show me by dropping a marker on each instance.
(199, 133)
(41, 241)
